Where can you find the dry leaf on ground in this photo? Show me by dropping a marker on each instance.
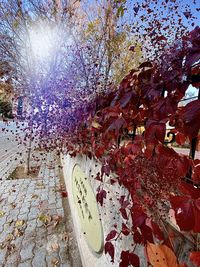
(2, 213)
(19, 223)
(54, 262)
(46, 219)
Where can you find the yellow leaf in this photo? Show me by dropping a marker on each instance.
(44, 218)
(2, 213)
(19, 223)
(161, 256)
(96, 125)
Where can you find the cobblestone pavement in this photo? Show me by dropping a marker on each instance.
(32, 225)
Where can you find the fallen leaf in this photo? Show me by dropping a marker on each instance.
(13, 205)
(64, 236)
(17, 232)
(54, 262)
(55, 247)
(2, 213)
(34, 196)
(46, 219)
(2, 245)
(161, 256)
(9, 237)
(10, 248)
(40, 185)
(56, 220)
(52, 244)
(19, 223)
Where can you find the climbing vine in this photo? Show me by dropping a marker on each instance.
(157, 178)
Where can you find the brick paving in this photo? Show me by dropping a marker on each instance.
(32, 224)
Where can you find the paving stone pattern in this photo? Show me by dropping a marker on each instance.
(32, 225)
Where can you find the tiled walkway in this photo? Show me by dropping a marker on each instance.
(32, 225)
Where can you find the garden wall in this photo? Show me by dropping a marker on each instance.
(108, 215)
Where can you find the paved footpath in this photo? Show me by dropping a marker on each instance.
(32, 225)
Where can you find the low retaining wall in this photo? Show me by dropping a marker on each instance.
(91, 233)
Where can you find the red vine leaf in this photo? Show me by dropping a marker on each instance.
(180, 138)
(109, 248)
(183, 207)
(111, 235)
(100, 196)
(155, 229)
(125, 229)
(128, 259)
(195, 258)
(189, 190)
(138, 216)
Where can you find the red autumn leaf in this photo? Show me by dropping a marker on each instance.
(64, 194)
(184, 214)
(131, 148)
(134, 260)
(180, 138)
(183, 165)
(124, 259)
(125, 229)
(155, 229)
(105, 169)
(98, 177)
(123, 213)
(189, 190)
(100, 196)
(99, 151)
(196, 228)
(195, 258)
(146, 233)
(196, 174)
(109, 248)
(154, 132)
(138, 216)
(197, 204)
(190, 115)
(137, 237)
(111, 235)
(124, 203)
(128, 259)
